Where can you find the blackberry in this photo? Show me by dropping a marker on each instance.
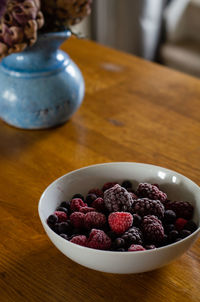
(153, 230)
(151, 192)
(78, 196)
(169, 217)
(132, 236)
(146, 206)
(127, 184)
(182, 209)
(190, 226)
(117, 199)
(133, 195)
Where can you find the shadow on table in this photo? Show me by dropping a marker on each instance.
(47, 275)
(14, 141)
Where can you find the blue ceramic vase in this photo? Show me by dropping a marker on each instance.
(40, 87)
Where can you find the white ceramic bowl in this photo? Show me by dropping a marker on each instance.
(176, 185)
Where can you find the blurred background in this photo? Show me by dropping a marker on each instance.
(164, 31)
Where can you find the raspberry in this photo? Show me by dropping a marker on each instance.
(77, 219)
(180, 223)
(146, 206)
(136, 248)
(86, 210)
(120, 222)
(80, 240)
(99, 204)
(97, 192)
(62, 216)
(108, 185)
(94, 220)
(151, 192)
(132, 236)
(99, 240)
(182, 209)
(76, 204)
(117, 199)
(152, 229)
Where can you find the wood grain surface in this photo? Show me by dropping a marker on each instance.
(133, 111)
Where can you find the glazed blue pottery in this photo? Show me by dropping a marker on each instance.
(40, 87)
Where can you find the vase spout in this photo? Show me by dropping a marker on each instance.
(42, 56)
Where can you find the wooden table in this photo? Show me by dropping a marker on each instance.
(133, 111)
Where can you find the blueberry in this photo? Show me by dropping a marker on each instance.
(169, 217)
(169, 228)
(184, 233)
(56, 228)
(178, 239)
(119, 242)
(150, 247)
(90, 198)
(52, 219)
(62, 209)
(65, 204)
(190, 226)
(112, 235)
(165, 240)
(64, 227)
(76, 231)
(78, 196)
(120, 250)
(126, 184)
(173, 235)
(137, 219)
(64, 236)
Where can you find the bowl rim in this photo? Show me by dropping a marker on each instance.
(108, 251)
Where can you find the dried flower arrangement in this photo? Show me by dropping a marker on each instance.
(22, 20)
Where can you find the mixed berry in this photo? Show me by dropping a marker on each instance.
(119, 218)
